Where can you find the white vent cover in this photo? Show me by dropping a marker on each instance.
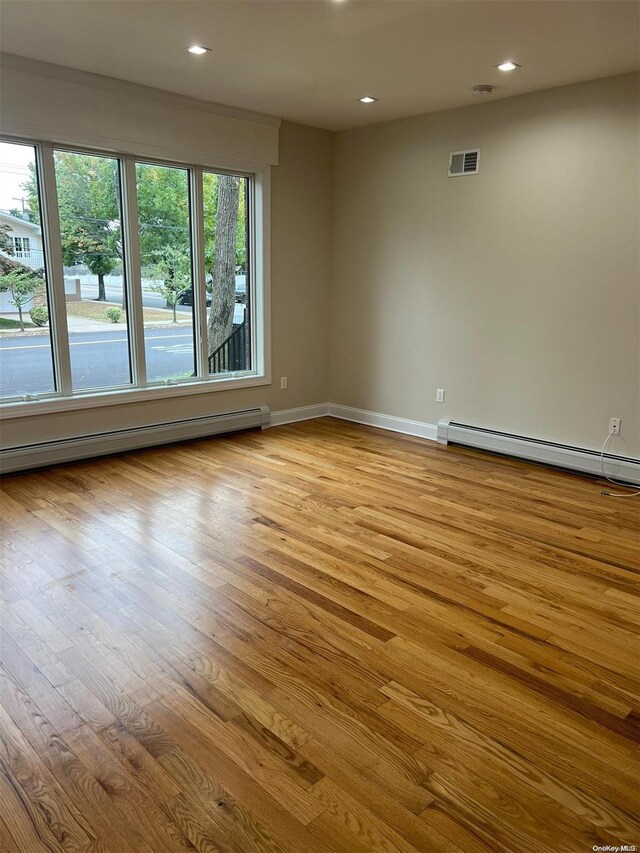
(464, 162)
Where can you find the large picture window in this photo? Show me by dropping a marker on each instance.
(119, 275)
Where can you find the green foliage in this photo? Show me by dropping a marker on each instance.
(6, 244)
(241, 229)
(39, 315)
(23, 284)
(114, 314)
(173, 266)
(30, 189)
(88, 193)
(10, 324)
(163, 210)
(88, 198)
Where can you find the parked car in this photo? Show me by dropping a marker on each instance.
(187, 298)
(241, 292)
(241, 289)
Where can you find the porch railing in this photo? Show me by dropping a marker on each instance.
(232, 354)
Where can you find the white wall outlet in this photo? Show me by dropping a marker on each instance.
(614, 426)
(283, 383)
(439, 395)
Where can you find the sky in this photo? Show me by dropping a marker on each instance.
(14, 161)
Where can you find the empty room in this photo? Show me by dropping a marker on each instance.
(320, 426)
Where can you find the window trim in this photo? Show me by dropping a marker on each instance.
(54, 269)
(52, 404)
(64, 400)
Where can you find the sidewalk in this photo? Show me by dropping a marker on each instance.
(82, 324)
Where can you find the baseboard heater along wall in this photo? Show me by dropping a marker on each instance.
(535, 450)
(38, 455)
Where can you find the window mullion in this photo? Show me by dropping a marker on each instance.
(133, 275)
(252, 312)
(55, 268)
(260, 265)
(199, 273)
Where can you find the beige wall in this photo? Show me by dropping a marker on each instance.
(516, 290)
(300, 269)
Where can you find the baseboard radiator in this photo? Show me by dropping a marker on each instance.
(30, 456)
(534, 450)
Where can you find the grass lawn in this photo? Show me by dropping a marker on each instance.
(92, 310)
(13, 324)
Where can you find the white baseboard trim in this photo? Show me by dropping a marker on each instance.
(390, 422)
(573, 458)
(358, 416)
(302, 413)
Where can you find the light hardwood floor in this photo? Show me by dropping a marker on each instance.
(323, 637)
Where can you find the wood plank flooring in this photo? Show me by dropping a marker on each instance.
(323, 637)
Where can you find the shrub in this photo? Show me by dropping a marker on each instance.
(39, 315)
(114, 314)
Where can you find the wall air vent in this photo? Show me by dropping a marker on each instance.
(464, 162)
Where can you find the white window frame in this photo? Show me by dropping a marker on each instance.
(259, 285)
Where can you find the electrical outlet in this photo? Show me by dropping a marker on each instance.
(614, 426)
(439, 395)
(283, 383)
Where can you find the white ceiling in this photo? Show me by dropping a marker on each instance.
(310, 60)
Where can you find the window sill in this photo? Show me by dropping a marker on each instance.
(92, 400)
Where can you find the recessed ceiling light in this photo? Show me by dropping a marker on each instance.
(198, 49)
(509, 65)
(367, 99)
